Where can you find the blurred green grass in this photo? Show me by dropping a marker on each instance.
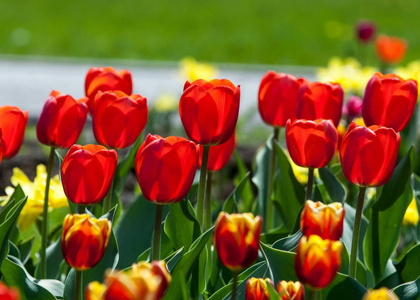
(299, 32)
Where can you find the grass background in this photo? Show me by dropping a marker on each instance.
(298, 32)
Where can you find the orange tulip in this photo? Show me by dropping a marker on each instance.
(289, 290)
(12, 123)
(323, 220)
(84, 240)
(237, 238)
(106, 79)
(317, 261)
(256, 289)
(390, 49)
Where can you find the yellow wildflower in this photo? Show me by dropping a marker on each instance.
(192, 70)
(166, 103)
(411, 71)
(347, 72)
(36, 191)
(411, 216)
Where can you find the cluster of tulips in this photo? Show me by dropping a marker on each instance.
(165, 169)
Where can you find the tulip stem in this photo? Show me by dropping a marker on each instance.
(44, 229)
(80, 208)
(356, 232)
(207, 200)
(269, 203)
(234, 285)
(310, 183)
(107, 201)
(78, 285)
(156, 234)
(202, 185)
(312, 295)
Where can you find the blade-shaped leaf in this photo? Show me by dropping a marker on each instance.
(334, 187)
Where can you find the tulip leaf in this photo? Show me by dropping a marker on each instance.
(335, 188)
(386, 217)
(288, 192)
(247, 193)
(69, 285)
(25, 248)
(408, 268)
(273, 293)
(72, 206)
(54, 257)
(409, 134)
(281, 264)
(14, 274)
(343, 287)
(231, 203)
(288, 243)
(183, 268)
(409, 290)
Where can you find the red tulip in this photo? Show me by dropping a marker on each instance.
(277, 97)
(12, 123)
(61, 120)
(8, 293)
(311, 144)
(324, 220)
(368, 154)
(256, 289)
(209, 110)
(165, 168)
(390, 49)
(87, 173)
(84, 240)
(219, 155)
(320, 101)
(237, 238)
(289, 290)
(118, 119)
(389, 101)
(106, 79)
(317, 261)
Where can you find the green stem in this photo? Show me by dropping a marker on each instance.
(234, 285)
(156, 233)
(44, 230)
(269, 203)
(202, 185)
(80, 209)
(310, 183)
(356, 232)
(312, 295)
(107, 201)
(207, 200)
(78, 285)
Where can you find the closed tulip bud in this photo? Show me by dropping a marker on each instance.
(106, 79)
(219, 155)
(95, 291)
(320, 101)
(118, 119)
(209, 110)
(323, 220)
(317, 261)
(8, 293)
(256, 289)
(311, 144)
(61, 120)
(277, 97)
(368, 154)
(165, 168)
(289, 290)
(390, 49)
(237, 238)
(84, 240)
(353, 107)
(365, 31)
(87, 173)
(380, 294)
(12, 123)
(389, 101)
(157, 269)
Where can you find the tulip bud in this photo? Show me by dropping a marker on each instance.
(411, 216)
(317, 261)
(219, 155)
(165, 168)
(87, 173)
(365, 31)
(106, 79)
(323, 220)
(311, 144)
(12, 123)
(118, 119)
(291, 290)
(95, 291)
(237, 238)
(368, 154)
(8, 293)
(61, 120)
(84, 240)
(158, 269)
(256, 289)
(277, 97)
(209, 110)
(353, 107)
(390, 49)
(389, 101)
(320, 101)
(380, 294)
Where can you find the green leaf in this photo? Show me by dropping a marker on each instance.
(230, 205)
(25, 249)
(343, 287)
(281, 264)
(386, 217)
(273, 293)
(288, 192)
(408, 291)
(335, 188)
(409, 135)
(288, 243)
(14, 274)
(247, 193)
(408, 267)
(72, 206)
